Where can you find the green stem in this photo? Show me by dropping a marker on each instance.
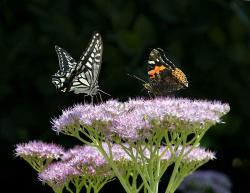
(67, 188)
(156, 186)
(114, 166)
(177, 182)
(88, 188)
(172, 178)
(177, 163)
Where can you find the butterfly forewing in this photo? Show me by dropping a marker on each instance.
(66, 62)
(157, 57)
(86, 81)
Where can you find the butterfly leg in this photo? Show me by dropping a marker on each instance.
(92, 99)
(97, 101)
(149, 94)
(84, 99)
(100, 97)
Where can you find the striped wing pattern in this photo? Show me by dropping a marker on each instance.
(67, 65)
(82, 76)
(86, 80)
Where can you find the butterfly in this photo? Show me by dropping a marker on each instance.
(80, 76)
(164, 77)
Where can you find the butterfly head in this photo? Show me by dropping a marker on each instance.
(155, 57)
(159, 63)
(158, 57)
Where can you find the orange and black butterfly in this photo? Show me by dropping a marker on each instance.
(164, 76)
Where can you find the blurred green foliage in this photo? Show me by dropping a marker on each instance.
(209, 40)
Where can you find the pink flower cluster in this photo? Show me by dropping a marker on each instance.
(73, 161)
(130, 119)
(39, 149)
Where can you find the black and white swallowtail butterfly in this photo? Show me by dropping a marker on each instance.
(81, 76)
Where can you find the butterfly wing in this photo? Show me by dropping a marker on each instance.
(66, 62)
(164, 77)
(88, 68)
(158, 64)
(67, 66)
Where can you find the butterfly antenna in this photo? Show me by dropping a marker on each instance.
(137, 78)
(104, 92)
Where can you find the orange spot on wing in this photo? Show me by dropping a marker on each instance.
(151, 74)
(156, 70)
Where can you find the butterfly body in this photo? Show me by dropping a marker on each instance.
(81, 76)
(164, 77)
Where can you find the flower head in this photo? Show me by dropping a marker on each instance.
(198, 154)
(136, 118)
(90, 160)
(39, 149)
(58, 173)
(84, 155)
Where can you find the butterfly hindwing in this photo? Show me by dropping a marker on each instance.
(67, 66)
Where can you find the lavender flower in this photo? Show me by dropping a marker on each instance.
(89, 155)
(39, 149)
(89, 158)
(86, 114)
(197, 155)
(58, 173)
(81, 165)
(86, 158)
(136, 118)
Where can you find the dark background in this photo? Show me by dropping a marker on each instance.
(207, 39)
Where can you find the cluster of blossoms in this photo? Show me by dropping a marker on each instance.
(135, 118)
(73, 161)
(39, 154)
(39, 149)
(158, 133)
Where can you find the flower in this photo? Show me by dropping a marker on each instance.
(86, 161)
(136, 118)
(91, 160)
(39, 149)
(84, 155)
(90, 155)
(86, 114)
(197, 154)
(58, 173)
